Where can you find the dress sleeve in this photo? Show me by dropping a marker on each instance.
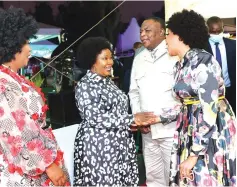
(170, 114)
(205, 82)
(97, 112)
(27, 148)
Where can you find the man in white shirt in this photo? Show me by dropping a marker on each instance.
(151, 85)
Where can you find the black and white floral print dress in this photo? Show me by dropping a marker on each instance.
(105, 153)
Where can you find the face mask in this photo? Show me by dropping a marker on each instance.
(216, 37)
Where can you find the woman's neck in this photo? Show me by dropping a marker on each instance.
(10, 66)
(183, 50)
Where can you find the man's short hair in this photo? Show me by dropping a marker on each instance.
(137, 45)
(213, 20)
(157, 19)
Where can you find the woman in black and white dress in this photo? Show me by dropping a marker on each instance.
(105, 153)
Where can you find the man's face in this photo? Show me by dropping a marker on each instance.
(215, 28)
(151, 34)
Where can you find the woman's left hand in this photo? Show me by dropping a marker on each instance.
(186, 167)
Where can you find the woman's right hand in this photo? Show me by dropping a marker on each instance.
(56, 175)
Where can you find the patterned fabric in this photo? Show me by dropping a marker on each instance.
(105, 152)
(25, 148)
(207, 128)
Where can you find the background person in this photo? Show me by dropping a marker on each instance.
(224, 50)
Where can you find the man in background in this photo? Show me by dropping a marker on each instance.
(224, 50)
(137, 47)
(127, 62)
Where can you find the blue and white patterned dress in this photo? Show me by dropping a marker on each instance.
(105, 153)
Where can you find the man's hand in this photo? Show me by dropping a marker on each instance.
(144, 129)
(56, 175)
(133, 127)
(146, 118)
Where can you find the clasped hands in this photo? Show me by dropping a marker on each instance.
(143, 120)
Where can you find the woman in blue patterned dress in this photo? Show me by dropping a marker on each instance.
(105, 152)
(204, 146)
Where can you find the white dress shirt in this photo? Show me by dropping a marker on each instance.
(152, 79)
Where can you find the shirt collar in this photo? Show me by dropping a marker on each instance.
(97, 78)
(158, 50)
(162, 45)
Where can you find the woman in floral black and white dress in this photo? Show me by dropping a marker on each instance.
(105, 152)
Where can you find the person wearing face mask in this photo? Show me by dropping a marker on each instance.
(105, 153)
(224, 50)
(151, 90)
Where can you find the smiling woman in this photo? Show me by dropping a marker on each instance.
(29, 154)
(105, 153)
(104, 63)
(96, 96)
